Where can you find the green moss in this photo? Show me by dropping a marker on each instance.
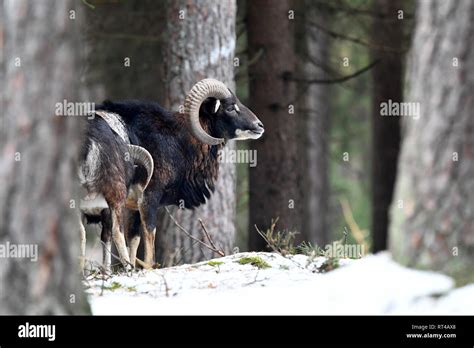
(254, 261)
(215, 263)
(113, 286)
(116, 285)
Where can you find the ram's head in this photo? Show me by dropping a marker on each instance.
(211, 103)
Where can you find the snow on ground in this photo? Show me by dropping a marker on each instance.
(372, 285)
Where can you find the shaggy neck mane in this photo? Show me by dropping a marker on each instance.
(199, 181)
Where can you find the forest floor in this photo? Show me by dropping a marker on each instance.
(268, 283)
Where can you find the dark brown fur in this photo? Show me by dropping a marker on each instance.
(185, 170)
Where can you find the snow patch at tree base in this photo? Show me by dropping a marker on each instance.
(291, 285)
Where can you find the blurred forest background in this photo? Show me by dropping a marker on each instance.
(316, 72)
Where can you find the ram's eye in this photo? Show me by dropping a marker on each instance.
(233, 108)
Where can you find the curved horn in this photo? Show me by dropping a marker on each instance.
(204, 89)
(141, 156)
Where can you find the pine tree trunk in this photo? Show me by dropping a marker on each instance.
(387, 85)
(314, 125)
(125, 59)
(201, 44)
(273, 183)
(433, 209)
(38, 182)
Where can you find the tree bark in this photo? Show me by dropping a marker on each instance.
(201, 43)
(125, 59)
(387, 85)
(38, 183)
(273, 183)
(433, 215)
(314, 126)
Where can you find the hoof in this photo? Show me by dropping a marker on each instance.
(128, 267)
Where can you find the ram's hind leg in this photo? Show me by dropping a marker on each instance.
(106, 239)
(133, 235)
(149, 232)
(148, 215)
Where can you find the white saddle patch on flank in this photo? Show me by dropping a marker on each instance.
(88, 205)
(116, 123)
(88, 170)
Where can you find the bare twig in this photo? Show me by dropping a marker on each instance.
(359, 235)
(241, 31)
(220, 252)
(211, 247)
(355, 40)
(340, 79)
(256, 57)
(256, 280)
(340, 36)
(167, 288)
(324, 5)
(87, 4)
(266, 239)
(266, 236)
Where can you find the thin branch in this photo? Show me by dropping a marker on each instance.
(355, 40)
(256, 57)
(340, 79)
(266, 239)
(317, 63)
(220, 252)
(359, 235)
(167, 288)
(335, 35)
(358, 11)
(87, 4)
(210, 247)
(241, 31)
(307, 82)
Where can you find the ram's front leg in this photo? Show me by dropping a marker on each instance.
(118, 235)
(148, 215)
(133, 235)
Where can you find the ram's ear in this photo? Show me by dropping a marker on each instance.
(217, 106)
(211, 105)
